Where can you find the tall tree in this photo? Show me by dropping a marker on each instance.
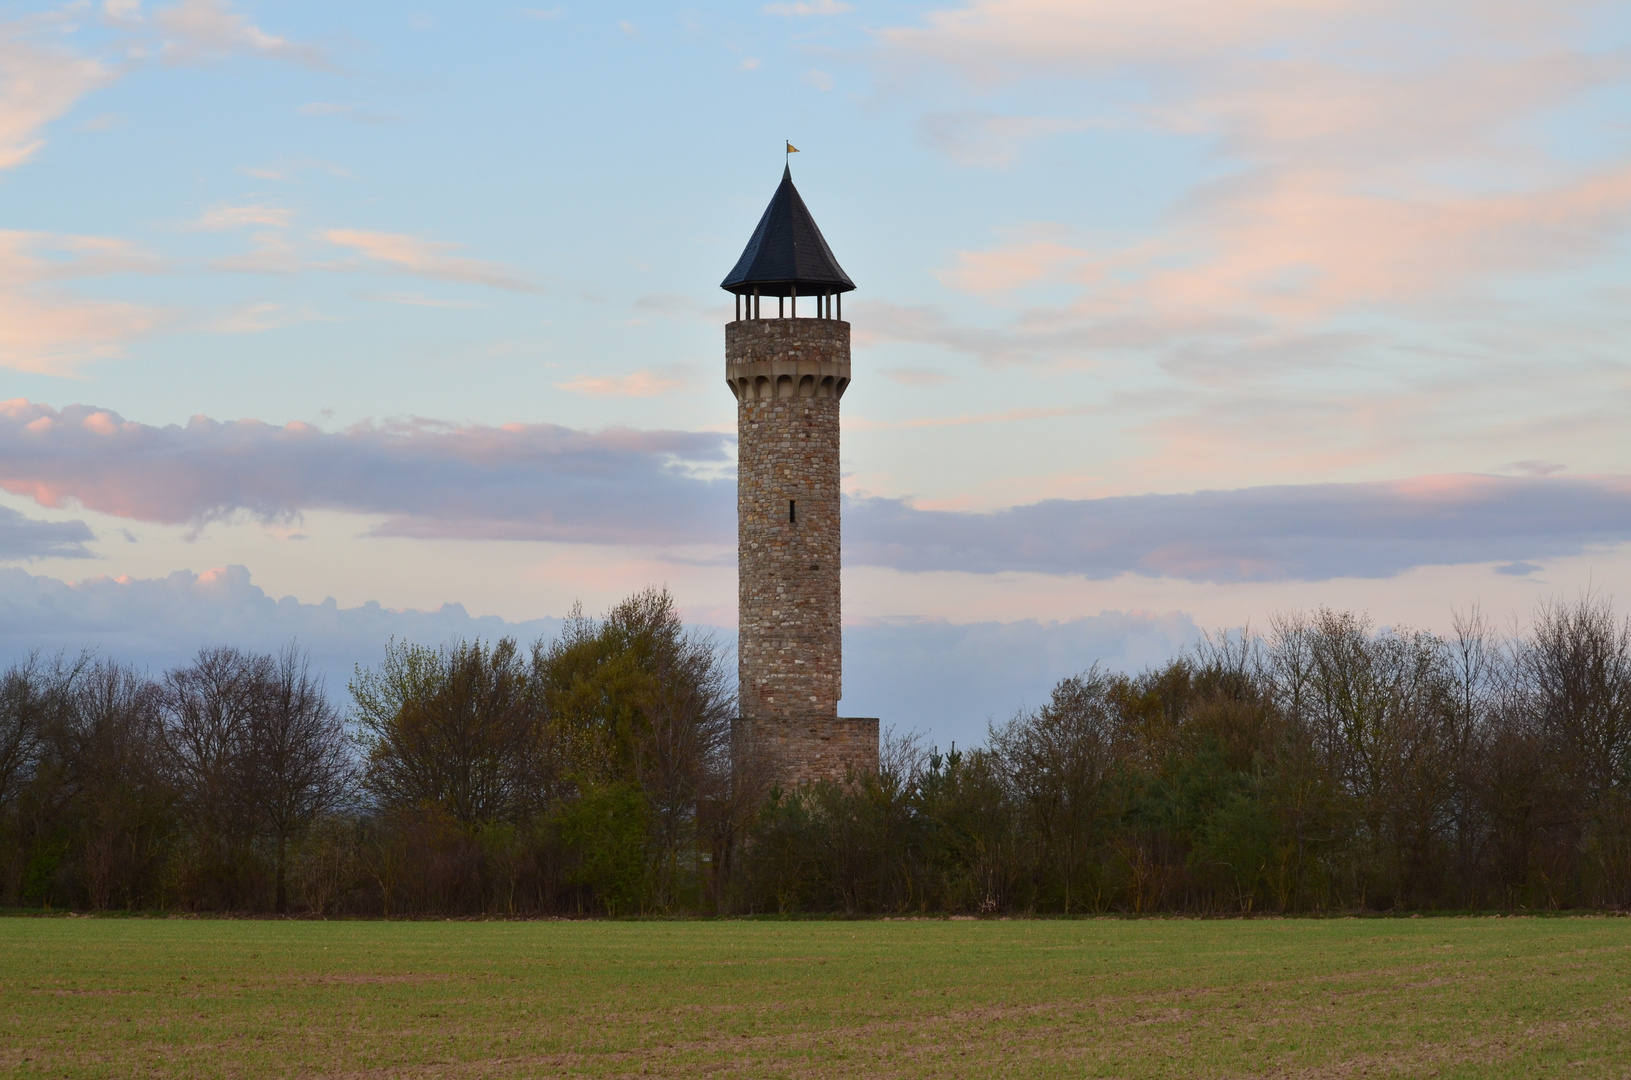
(300, 762)
(209, 708)
(1058, 761)
(682, 755)
(112, 748)
(1577, 668)
(457, 729)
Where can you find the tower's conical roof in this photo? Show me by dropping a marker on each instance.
(787, 252)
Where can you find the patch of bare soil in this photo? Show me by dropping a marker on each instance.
(366, 979)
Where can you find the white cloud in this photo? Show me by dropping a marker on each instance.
(1364, 244)
(198, 31)
(122, 12)
(289, 171)
(47, 329)
(42, 77)
(639, 384)
(1012, 266)
(1380, 148)
(227, 216)
(258, 318)
(428, 258)
(917, 376)
(38, 84)
(415, 300)
(991, 140)
(803, 8)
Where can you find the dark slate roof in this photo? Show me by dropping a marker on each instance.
(787, 252)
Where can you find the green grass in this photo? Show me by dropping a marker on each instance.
(1468, 997)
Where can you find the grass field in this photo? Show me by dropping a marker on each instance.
(1377, 997)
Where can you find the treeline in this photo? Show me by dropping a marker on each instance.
(1320, 766)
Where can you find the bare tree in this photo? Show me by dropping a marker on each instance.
(1383, 710)
(1575, 671)
(209, 709)
(901, 756)
(1577, 667)
(1058, 761)
(31, 695)
(739, 783)
(300, 763)
(682, 753)
(1478, 675)
(113, 751)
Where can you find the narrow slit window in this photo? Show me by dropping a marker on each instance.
(792, 512)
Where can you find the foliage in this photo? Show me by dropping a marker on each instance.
(1323, 765)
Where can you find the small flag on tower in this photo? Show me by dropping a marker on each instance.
(791, 149)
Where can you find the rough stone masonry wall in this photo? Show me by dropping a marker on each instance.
(788, 376)
(803, 751)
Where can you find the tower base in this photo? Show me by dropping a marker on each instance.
(799, 752)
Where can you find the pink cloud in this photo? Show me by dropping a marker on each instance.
(640, 384)
(38, 84)
(991, 140)
(1299, 246)
(226, 216)
(622, 487)
(428, 258)
(1393, 248)
(1012, 266)
(1384, 153)
(41, 78)
(420, 477)
(1007, 39)
(197, 31)
(47, 329)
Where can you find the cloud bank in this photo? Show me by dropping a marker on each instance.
(1301, 532)
(423, 478)
(160, 622)
(951, 679)
(942, 678)
(23, 538)
(669, 489)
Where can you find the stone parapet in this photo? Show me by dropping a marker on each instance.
(787, 358)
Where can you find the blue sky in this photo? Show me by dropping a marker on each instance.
(1167, 318)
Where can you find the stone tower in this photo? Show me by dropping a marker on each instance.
(788, 375)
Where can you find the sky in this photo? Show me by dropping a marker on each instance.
(336, 322)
